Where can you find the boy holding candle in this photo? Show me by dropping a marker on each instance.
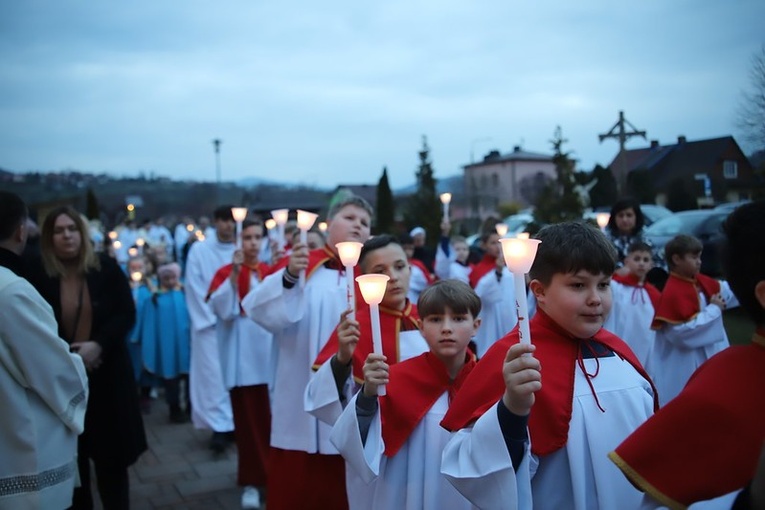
(394, 442)
(246, 361)
(634, 301)
(704, 445)
(346, 350)
(305, 470)
(538, 419)
(688, 320)
(452, 256)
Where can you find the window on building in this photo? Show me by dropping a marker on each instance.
(495, 180)
(730, 169)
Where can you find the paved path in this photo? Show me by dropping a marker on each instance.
(178, 471)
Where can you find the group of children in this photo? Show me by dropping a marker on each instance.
(572, 420)
(521, 439)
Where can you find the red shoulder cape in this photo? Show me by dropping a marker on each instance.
(392, 322)
(557, 352)
(415, 385)
(680, 299)
(486, 264)
(242, 281)
(707, 440)
(630, 280)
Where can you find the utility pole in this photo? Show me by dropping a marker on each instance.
(216, 144)
(619, 132)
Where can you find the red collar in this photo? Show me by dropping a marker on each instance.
(630, 280)
(558, 352)
(415, 385)
(486, 264)
(679, 300)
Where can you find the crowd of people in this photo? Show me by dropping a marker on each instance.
(628, 395)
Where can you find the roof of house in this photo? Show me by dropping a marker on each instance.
(682, 158)
(518, 154)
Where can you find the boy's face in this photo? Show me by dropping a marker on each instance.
(351, 223)
(639, 263)
(225, 230)
(315, 240)
(251, 239)
(448, 334)
(578, 302)
(492, 247)
(687, 265)
(461, 251)
(390, 260)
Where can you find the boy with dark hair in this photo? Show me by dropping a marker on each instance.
(634, 301)
(420, 276)
(672, 456)
(688, 319)
(340, 364)
(538, 419)
(394, 442)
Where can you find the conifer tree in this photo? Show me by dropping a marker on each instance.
(424, 206)
(92, 209)
(559, 201)
(386, 211)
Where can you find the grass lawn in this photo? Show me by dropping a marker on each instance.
(738, 326)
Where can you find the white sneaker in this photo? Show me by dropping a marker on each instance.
(250, 497)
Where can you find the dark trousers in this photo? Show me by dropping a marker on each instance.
(112, 481)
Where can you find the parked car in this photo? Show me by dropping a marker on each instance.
(704, 224)
(651, 213)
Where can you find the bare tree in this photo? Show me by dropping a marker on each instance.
(751, 110)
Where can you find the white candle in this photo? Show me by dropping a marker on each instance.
(519, 256)
(372, 288)
(501, 229)
(280, 217)
(305, 221)
(349, 255)
(239, 214)
(445, 199)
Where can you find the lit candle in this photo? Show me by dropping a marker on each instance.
(445, 199)
(522, 235)
(113, 235)
(280, 217)
(501, 229)
(323, 227)
(239, 214)
(519, 256)
(349, 252)
(372, 288)
(305, 221)
(602, 219)
(140, 242)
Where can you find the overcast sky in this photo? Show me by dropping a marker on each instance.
(329, 92)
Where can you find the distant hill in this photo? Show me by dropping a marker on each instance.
(449, 184)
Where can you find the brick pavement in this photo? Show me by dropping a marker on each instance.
(178, 471)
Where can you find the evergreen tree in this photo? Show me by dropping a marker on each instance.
(559, 200)
(424, 206)
(386, 210)
(640, 185)
(92, 209)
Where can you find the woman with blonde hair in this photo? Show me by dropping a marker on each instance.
(91, 299)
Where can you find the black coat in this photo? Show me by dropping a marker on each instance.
(114, 431)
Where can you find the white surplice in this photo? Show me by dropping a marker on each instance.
(245, 347)
(680, 349)
(579, 476)
(321, 398)
(498, 315)
(210, 402)
(411, 479)
(630, 319)
(301, 320)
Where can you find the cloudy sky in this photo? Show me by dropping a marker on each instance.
(328, 92)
